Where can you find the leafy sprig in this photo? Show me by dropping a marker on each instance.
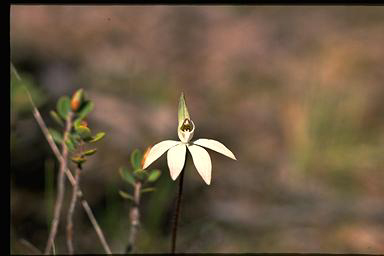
(80, 134)
(137, 174)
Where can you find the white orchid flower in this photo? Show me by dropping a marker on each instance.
(177, 149)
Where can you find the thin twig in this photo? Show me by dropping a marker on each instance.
(55, 150)
(95, 225)
(61, 185)
(71, 210)
(54, 248)
(177, 211)
(15, 71)
(30, 246)
(134, 216)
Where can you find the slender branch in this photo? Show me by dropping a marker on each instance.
(95, 224)
(15, 72)
(177, 212)
(61, 186)
(55, 150)
(33, 249)
(134, 216)
(71, 210)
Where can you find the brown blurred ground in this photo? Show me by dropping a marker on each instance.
(296, 93)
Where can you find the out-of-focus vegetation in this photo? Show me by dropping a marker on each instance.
(295, 92)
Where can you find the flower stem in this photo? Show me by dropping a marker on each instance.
(177, 211)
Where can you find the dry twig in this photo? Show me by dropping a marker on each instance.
(71, 210)
(61, 186)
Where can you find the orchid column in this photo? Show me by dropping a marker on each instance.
(176, 155)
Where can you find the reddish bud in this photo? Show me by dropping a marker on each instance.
(145, 155)
(77, 100)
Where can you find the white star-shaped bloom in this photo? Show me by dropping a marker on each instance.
(177, 149)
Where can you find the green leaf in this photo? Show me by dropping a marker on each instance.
(146, 190)
(63, 106)
(140, 174)
(125, 195)
(57, 137)
(182, 110)
(78, 160)
(136, 159)
(89, 152)
(77, 123)
(56, 117)
(97, 137)
(70, 145)
(125, 174)
(154, 175)
(84, 111)
(75, 138)
(84, 132)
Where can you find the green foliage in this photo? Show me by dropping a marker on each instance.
(70, 145)
(126, 175)
(84, 132)
(77, 123)
(89, 152)
(84, 110)
(154, 175)
(80, 106)
(136, 157)
(125, 195)
(75, 137)
(97, 137)
(56, 135)
(146, 190)
(79, 133)
(56, 117)
(138, 175)
(63, 106)
(78, 160)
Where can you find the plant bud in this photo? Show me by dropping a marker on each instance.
(145, 155)
(77, 100)
(84, 123)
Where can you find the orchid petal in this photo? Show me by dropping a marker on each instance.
(158, 150)
(186, 136)
(176, 160)
(202, 162)
(216, 146)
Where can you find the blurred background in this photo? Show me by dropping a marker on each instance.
(296, 93)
